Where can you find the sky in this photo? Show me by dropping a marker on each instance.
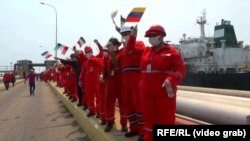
(27, 28)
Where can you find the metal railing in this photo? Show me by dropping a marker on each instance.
(6, 68)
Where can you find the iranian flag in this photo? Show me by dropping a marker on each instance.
(46, 54)
(62, 48)
(81, 41)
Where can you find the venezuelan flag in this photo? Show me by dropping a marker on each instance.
(136, 14)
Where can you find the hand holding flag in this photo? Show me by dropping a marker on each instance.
(56, 58)
(113, 15)
(134, 31)
(122, 20)
(96, 41)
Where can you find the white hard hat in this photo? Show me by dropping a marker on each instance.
(126, 29)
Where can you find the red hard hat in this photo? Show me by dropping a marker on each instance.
(155, 30)
(87, 49)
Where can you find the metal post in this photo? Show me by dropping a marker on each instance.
(56, 22)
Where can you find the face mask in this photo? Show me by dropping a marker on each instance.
(125, 40)
(154, 41)
(89, 54)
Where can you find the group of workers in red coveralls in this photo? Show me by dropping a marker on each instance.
(141, 80)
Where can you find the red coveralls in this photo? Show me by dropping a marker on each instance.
(113, 91)
(100, 92)
(7, 80)
(72, 84)
(92, 71)
(82, 80)
(131, 58)
(158, 107)
(58, 76)
(66, 74)
(61, 76)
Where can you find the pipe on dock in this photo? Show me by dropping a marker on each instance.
(212, 112)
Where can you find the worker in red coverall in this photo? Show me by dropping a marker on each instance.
(75, 89)
(113, 77)
(101, 84)
(130, 64)
(162, 70)
(91, 74)
(6, 80)
(82, 84)
(66, 74)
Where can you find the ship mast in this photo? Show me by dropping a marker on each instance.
(202, 21)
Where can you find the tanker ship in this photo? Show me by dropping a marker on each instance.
(216, 62)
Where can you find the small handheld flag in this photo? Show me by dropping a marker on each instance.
(81, 41)
(46, 54)
(113, 14)
(61, 47)
(136, 14)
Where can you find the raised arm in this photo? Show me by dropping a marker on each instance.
(100, 54)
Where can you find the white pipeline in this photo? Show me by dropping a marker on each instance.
(213, 112)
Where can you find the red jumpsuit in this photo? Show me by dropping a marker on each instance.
(131, 58)
(6, 80)
(91, 75)
(66, 74)
(82, 81)
(158, 106)
(100, 92)
(72, 84)
(113, 91)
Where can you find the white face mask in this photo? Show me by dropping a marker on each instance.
(125, 40)
(89, 54)
(154, 41)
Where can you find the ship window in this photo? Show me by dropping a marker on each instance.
(230, 70)
(221, 70)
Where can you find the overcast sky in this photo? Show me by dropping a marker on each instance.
(25, 25)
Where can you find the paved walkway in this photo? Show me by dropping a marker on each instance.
(42, 117)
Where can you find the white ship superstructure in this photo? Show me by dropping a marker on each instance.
(219, 54)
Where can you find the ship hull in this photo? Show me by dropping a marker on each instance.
(237, 81)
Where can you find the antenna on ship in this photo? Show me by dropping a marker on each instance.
(202, 21)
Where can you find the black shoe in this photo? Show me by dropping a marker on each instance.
(79, 104)
(90, 114)
(131, 134)
(73, 100)
(141, 138)
(85, 108)
(109, 127)
(97, 115)
(124, 128)
(103, 122)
